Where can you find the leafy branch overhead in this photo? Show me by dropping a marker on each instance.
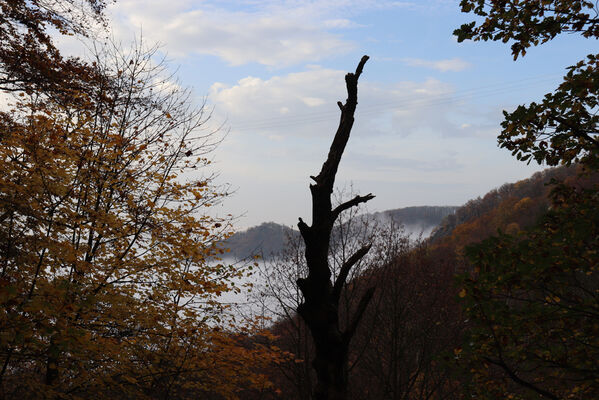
(528, 23)
(563, 128)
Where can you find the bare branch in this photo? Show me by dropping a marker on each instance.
(521, 381)
(303, 228)
(326, 177)
(364, 301)
(346, 267)
(351, 203)
(320, 306)
(360, 66)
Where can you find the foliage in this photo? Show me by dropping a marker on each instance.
(109, 283)
(510, 207)
(532, 296)
(563, 127)
(533, 304)
(528, 23)
(29, 58)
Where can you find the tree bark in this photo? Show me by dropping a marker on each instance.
(320, 308)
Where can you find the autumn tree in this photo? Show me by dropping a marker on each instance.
(533, 301)
(108, 279)
(29, 58)
(532, 296)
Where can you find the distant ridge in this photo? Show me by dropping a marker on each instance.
(501, 208)
(265, 239)
(425, 216)
(270, 238)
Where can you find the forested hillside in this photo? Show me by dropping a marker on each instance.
(509, 207)
(420, 216)
(411, 342)
(262, 240)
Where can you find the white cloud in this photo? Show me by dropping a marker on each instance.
(266, 33)
(341, 24)
(303, 104)
(313, 101)
(381, 163)
(453, 64)
(288, 101)
(275, 33)
(413, 135)
(7, 100)
(330, 8)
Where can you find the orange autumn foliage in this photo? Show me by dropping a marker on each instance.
(109, 275)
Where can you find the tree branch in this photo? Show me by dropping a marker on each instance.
(576, 131)
(520, 381)
(346, 267)
(351, 82)
(303, 228)
(350, 203)
(351, 329)
(326, 177)
(320, 308)
(360, 66)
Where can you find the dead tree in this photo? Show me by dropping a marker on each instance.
(320, 308)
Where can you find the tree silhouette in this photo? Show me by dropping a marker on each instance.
(320, 308)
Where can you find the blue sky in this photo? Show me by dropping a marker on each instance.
(429, 107)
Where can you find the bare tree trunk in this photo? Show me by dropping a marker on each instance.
(320, 308)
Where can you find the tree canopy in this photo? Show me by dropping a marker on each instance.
(531, 297)
(562, 128)
(533, 301)
(528, 23)
(29, 58)
(109, 265)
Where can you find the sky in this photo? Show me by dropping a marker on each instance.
(429, 108)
